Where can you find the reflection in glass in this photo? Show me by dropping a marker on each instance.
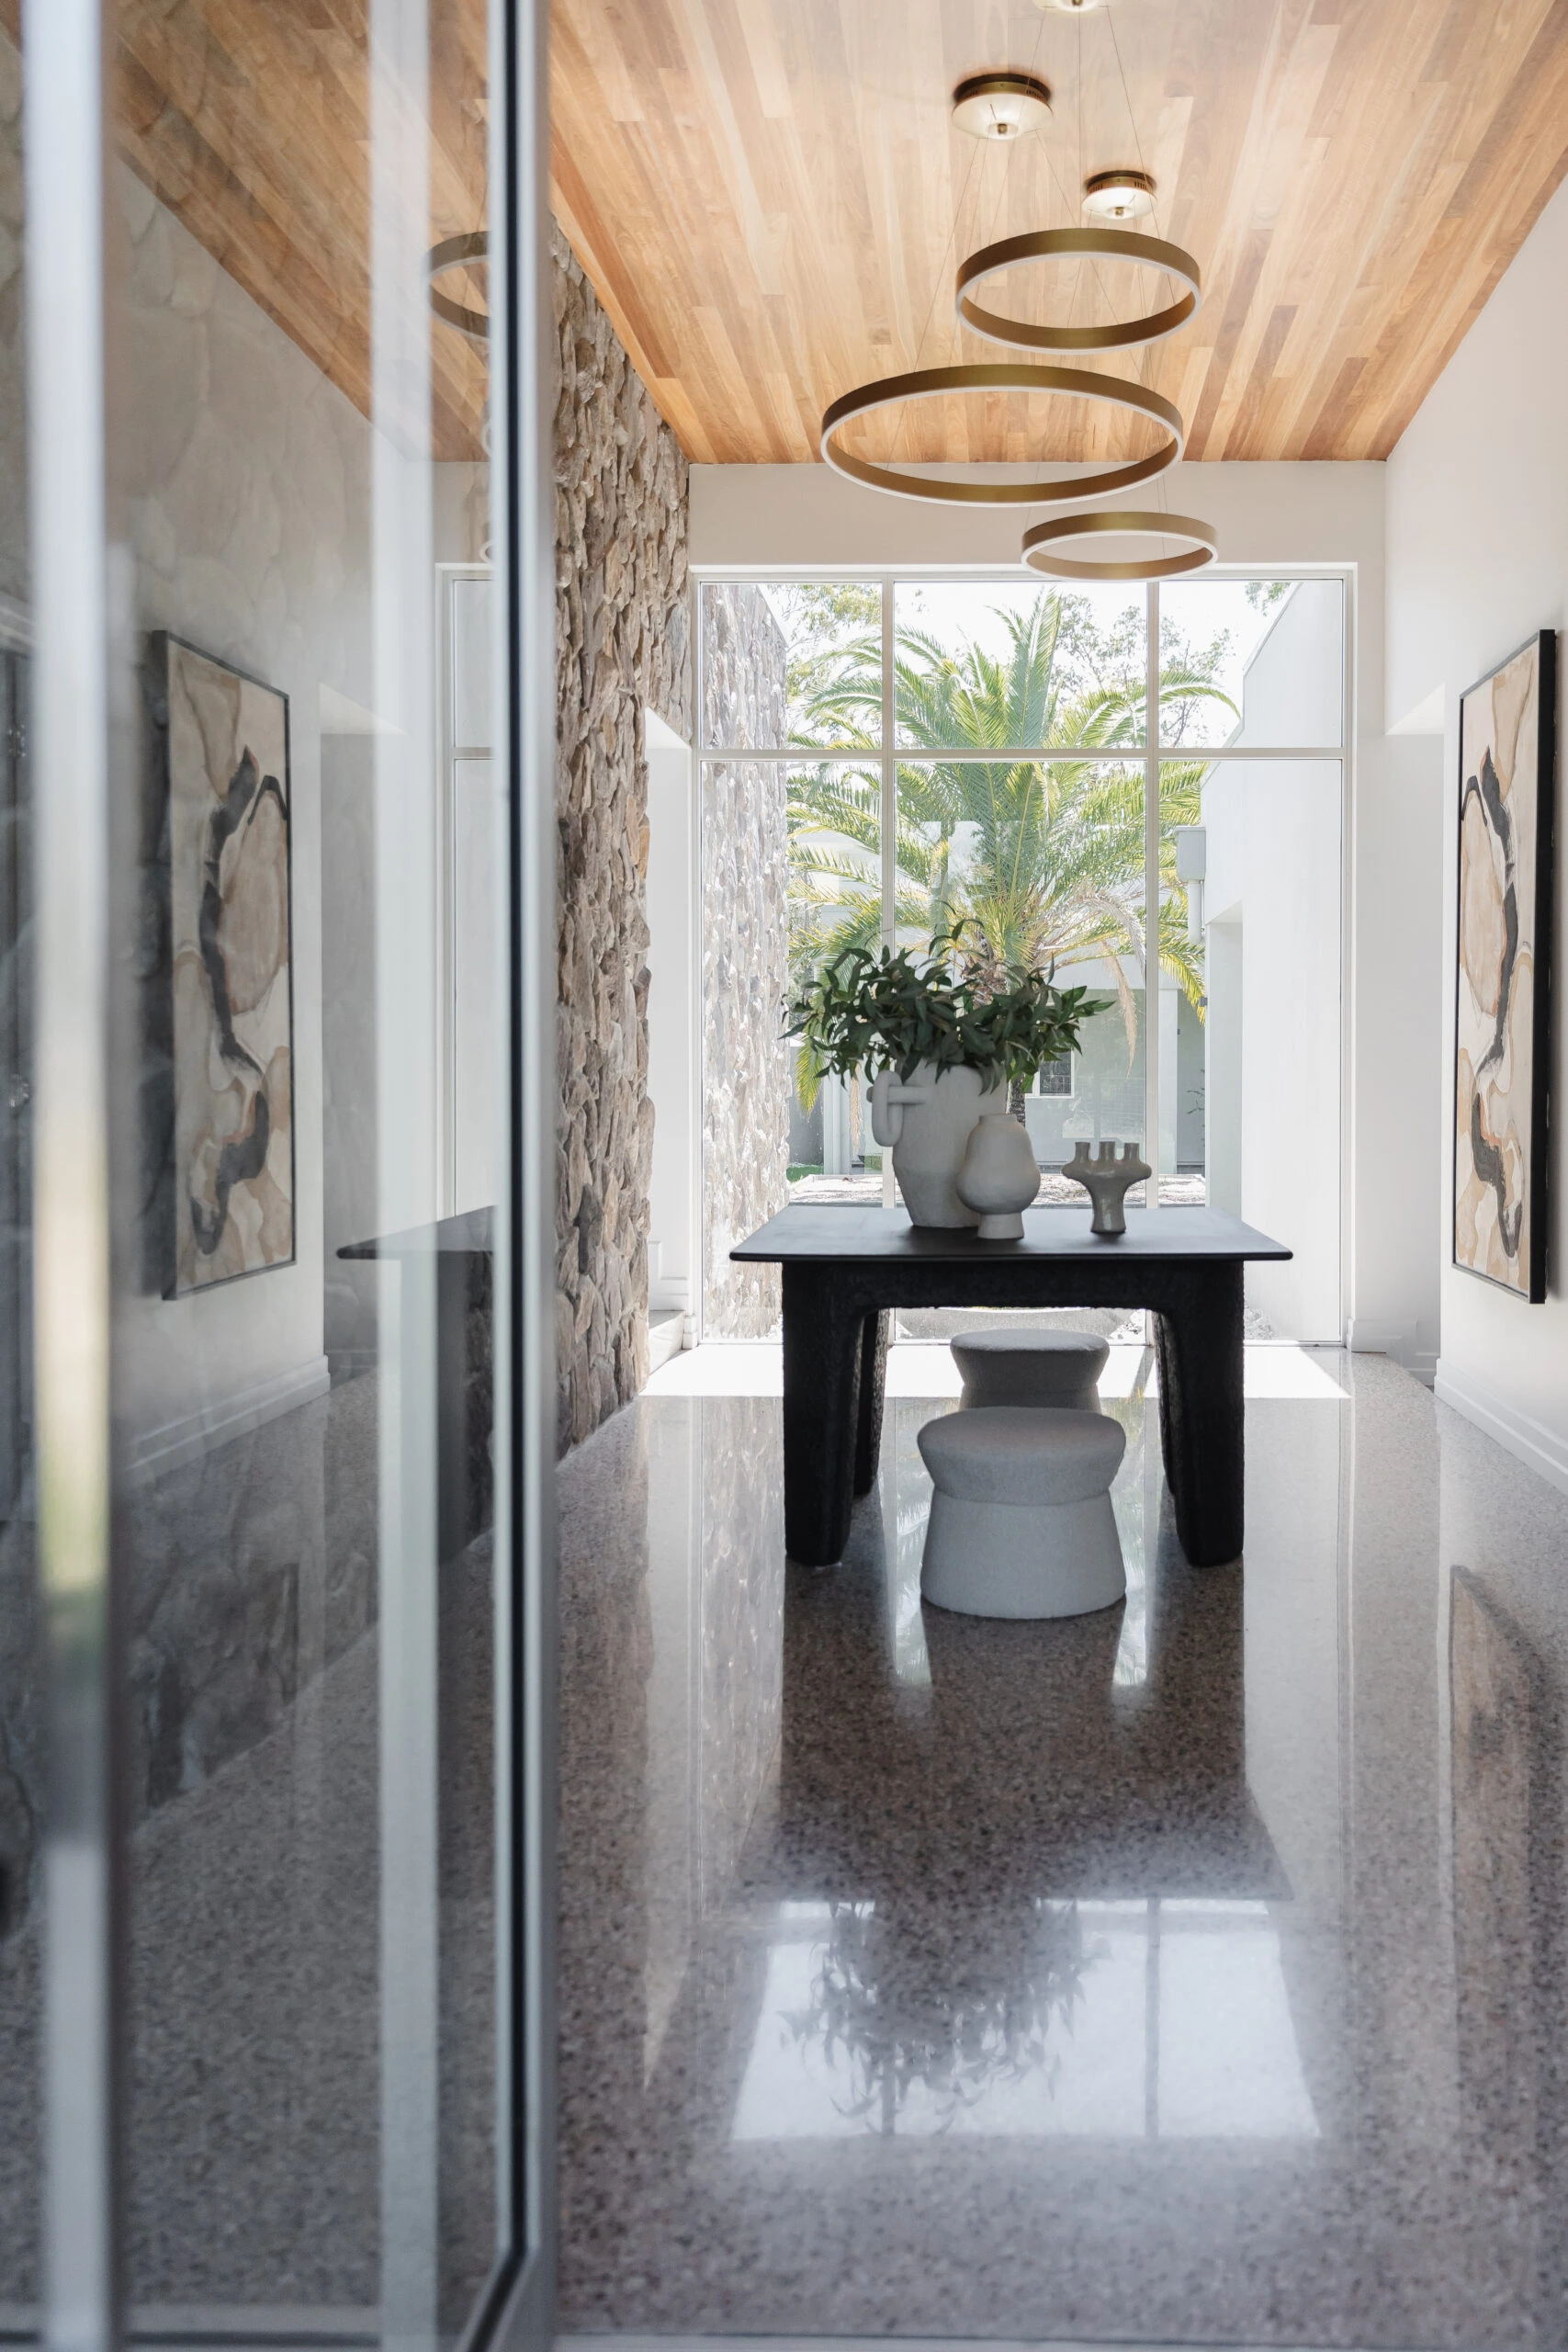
(21, 1620)
(306, 1516)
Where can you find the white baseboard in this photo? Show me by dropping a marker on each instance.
(1399, 1341)
(666, 1334)
(1530, 1442)
(177, 1442)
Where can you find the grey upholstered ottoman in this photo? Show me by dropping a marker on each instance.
(1021, 1523)
(999, 1366)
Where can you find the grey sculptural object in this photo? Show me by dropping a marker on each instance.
(1106, 1174)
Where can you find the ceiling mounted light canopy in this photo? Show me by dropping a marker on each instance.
(1119, 195)
(464, 252)
(1000, 105)
(1072, 245)
(1070, 7)
(1007, 376)
(1041, 545)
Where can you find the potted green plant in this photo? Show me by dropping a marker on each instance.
(942, 1048)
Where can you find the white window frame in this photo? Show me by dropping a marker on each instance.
(888, 578)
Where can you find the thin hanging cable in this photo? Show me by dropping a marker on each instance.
(938, 279)
(1132, 117)
(1146, 357)
(1007, 147)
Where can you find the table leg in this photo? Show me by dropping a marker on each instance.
(824, 1340)
(1200, 1415)
(868, 1414)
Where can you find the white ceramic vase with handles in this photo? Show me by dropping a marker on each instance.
(926, 1124)
(1000, 1175)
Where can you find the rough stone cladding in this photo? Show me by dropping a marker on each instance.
(622, 643)
(745, 958)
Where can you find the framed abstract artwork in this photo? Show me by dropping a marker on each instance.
(230, 956)
(1507, 736)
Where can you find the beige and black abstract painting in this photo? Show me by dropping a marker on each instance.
(1507, 755)
(229, 905)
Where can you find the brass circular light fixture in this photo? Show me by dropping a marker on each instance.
(1001, 106)
(1007, 376)
(1120, 195)
(1040, 545)
(458, 252)
(1069, 244)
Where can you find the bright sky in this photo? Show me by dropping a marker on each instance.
(1196, 610)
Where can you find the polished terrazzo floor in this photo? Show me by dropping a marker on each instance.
(1197, 1971)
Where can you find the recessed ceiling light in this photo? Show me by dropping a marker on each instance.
(1000, 105)
(1118, 196)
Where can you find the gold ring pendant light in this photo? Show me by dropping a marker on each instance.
(1015, 376)
(1040, 544)
(458, 252)
(1078, 244)
(1002, 107)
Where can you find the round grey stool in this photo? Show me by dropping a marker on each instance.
(1002, 1367)
(1021, 1523)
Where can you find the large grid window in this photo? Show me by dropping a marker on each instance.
(1115, 780)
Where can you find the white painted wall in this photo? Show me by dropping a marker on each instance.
(1272, 896)
(760, 518)
(1274, 838)
(1478, 559)
(672, 1018)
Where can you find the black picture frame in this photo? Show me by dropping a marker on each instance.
(1481, 1166)
(161, 1107)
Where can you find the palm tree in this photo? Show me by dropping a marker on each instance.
(1042, 860)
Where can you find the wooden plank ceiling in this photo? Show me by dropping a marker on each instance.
(770, 199)
(249, 119)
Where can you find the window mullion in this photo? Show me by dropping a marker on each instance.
(1151, 895)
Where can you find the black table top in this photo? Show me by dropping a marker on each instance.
(460, 1237)
(805, 1231)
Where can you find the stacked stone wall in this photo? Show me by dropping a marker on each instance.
(745, 958)
(622, 643)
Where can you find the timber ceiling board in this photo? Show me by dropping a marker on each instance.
(249, 119)
(771, 202)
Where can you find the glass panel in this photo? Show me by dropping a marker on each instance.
(1268, 905)
(1252, 661)
(21, 1647)
(1042, 861)
(312, 869)
(984, 663)
(791, 661)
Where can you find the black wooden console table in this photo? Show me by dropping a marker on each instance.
(844, 1270)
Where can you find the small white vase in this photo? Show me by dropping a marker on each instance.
(926, 1126)
(999, 1176)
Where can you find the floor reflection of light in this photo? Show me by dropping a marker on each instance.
(1272, 1368)
(1157, 2020)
